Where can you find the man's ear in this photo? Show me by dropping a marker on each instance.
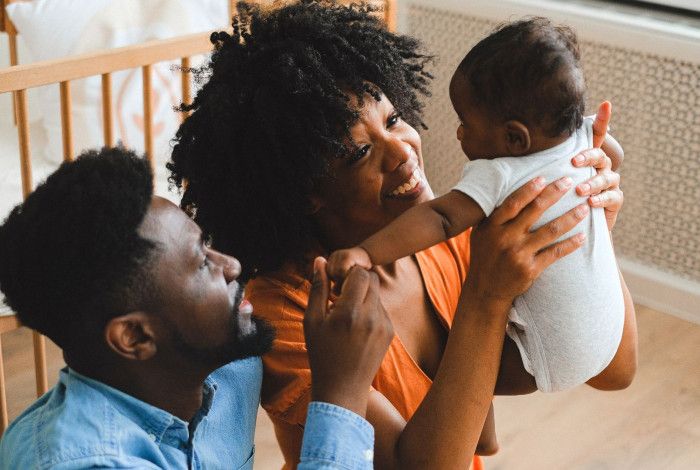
(517, 138)
(132, 336)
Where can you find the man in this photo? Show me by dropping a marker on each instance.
(161, 346)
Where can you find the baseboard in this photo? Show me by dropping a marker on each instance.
(662, 291)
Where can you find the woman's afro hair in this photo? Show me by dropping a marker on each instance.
(273, 109)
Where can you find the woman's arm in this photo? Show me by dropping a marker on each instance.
(505, 259)
(603, 191)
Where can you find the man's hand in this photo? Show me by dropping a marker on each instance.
(346, 341)
(342, 261)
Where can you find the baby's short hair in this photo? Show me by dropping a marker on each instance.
(529, 70)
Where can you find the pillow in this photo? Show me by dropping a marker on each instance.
(52, 29)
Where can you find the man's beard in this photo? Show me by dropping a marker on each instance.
(238, 345)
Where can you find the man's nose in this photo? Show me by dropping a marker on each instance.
(230, 265)
(397, 152)
(460, 132)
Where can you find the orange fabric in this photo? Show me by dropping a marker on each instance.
(282, 297)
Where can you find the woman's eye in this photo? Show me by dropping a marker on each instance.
(360, 153)
(393, 119)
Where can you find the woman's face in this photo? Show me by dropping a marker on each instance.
(380, 180)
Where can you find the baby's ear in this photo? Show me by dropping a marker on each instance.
(517, 138)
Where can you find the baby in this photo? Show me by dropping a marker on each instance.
(519, 95)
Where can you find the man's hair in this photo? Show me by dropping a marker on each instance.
(71, 257)
(275, 109)
(529, 70)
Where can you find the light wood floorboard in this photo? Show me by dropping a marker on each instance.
(655, 424)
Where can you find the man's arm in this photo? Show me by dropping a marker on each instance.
(346, 344)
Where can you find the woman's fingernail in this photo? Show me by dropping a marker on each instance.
(564, 183)
(579, 159)
(585, 187)
(539, 182)
(581, 211)
(580, 237)
(595, 199)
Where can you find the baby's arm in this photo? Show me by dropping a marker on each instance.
(418, 228)
(423, 226)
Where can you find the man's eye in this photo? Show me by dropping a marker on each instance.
(205, 263)
(393, 119)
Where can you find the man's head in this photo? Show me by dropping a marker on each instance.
(95, 262)
(522, 81)
(280, 97)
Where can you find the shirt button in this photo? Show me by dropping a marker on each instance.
(369, 455)
(152, 437)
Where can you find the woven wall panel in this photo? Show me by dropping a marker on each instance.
(655, 117)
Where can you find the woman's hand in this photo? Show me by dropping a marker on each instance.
(506, 257)
(603, 190)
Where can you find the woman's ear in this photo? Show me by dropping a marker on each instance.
(517, 138)
(313, 204)
(132, 336)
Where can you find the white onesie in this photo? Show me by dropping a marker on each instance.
(568, 325)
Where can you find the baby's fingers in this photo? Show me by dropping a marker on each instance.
(338, 267)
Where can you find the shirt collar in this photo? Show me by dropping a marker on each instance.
(151, 419)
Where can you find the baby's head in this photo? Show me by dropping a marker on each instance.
(519, 90)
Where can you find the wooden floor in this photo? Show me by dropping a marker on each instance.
(655, 424)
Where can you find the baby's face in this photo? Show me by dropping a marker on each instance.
(479, 135)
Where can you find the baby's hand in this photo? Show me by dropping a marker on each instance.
(341, 261)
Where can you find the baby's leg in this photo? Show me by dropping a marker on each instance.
(619, 373)
(488, 442)
(513, 379)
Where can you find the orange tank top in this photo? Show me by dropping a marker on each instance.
(281, 299)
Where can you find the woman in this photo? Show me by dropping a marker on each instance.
(304, 129)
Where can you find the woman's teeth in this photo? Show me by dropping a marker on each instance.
(410, 184)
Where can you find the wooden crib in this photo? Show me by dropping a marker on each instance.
(17, 79)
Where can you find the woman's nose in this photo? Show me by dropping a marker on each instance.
(397, 152)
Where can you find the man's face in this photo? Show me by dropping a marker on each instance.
(204, 316)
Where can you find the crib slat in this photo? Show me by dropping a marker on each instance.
(42, 381)
(66, 122)
(3, 396)
(186, 85)
(107, 109)
(26, 168)
(147, 112)
(13, 61)
(23, 133)
(390, 16)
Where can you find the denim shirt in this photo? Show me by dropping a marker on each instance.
(83, 423)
